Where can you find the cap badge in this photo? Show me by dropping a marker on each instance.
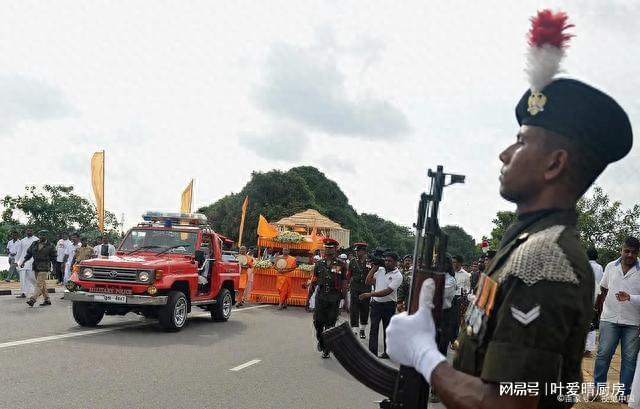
(537, 101)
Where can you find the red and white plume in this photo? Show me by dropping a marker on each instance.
(547, 42)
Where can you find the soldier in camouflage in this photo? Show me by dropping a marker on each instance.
(403, 291)
(356, 275)
(329, 276)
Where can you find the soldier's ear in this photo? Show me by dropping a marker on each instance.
(556, 164)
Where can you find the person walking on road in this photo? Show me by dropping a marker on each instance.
(43, 254)
(69, 254)
(384, 297)
(329, 275)
(357, 275)
(27, 279)
(58, 264)
(246, 275)
(13, 247)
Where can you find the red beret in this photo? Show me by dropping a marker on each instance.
(360, 245)
(329, 242)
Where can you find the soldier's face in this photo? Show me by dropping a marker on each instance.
(524, 165)
(407, 263)
(629, 255)
(330, 253)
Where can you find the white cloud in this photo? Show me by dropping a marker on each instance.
(304, 84)
(371, 92)
(25, 99)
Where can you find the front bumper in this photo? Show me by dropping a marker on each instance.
(83, 296)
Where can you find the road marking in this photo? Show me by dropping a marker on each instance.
(245, 365)
(100, 330)
(63, 336)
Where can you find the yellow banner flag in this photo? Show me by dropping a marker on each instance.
(265, 230)
(187, 197)
(97, 180)
(244, 213)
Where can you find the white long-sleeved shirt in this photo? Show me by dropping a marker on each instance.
(463, 279)
(25, 243)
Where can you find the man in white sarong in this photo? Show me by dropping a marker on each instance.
(27, 277)
(69, 254)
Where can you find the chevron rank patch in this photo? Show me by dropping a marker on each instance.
(525, 318)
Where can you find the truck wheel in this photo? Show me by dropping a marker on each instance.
(174, 315)
(87, 314)
(221, 310)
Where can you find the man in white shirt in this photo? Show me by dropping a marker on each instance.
(61, 247)
(590, 344)
(105, 249)
(387, 279)
(13, 248)
(69, 253)
(619, 321)
(27, 277)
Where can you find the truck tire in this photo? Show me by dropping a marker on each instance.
(87, 314)
(174, 315)
(221, 310)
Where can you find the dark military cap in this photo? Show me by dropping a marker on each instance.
(408, 256)
(360, 246)
(581, 113)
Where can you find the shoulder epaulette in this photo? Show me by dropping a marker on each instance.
(540, 258)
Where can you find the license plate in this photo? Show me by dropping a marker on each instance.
(121, 299)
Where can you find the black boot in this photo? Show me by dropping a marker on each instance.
(325, 354)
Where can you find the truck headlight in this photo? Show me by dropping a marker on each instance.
(87, 273)
(144, 276)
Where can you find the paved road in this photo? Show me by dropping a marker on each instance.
(46, 360)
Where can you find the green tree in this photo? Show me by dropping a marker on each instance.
(56, 209)
(501, 222)
(387, 234)
(278, 194)
(604, 224)
(461, 243)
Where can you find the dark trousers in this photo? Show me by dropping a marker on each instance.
(380, 311)
(454, 324)
(448, 330)
(57, 270)
(325, 316)
(359, 309)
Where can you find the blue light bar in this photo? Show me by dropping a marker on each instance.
(196, 219)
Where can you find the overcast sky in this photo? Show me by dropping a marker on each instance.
(372, 93)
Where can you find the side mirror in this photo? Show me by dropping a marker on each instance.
(199, 256)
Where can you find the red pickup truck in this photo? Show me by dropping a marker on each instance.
(163, 268)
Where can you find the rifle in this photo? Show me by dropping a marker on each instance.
(404, 388)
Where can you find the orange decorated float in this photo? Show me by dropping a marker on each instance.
(302, 235)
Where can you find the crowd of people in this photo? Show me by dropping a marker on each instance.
(34, 258)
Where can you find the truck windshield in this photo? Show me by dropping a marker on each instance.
(156, 241)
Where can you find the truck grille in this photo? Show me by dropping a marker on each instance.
(110, 274)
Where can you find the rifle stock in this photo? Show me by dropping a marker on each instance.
(405, 388)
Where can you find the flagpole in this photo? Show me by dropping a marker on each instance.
(191, 200)
(104, 161)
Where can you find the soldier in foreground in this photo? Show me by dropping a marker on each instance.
(328, 275)
(533, 305)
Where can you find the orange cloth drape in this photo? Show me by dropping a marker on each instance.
(244, 273)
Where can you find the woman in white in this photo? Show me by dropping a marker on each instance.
(634, 398)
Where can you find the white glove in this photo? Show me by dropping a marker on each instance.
(411, 339)
(471, 298)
